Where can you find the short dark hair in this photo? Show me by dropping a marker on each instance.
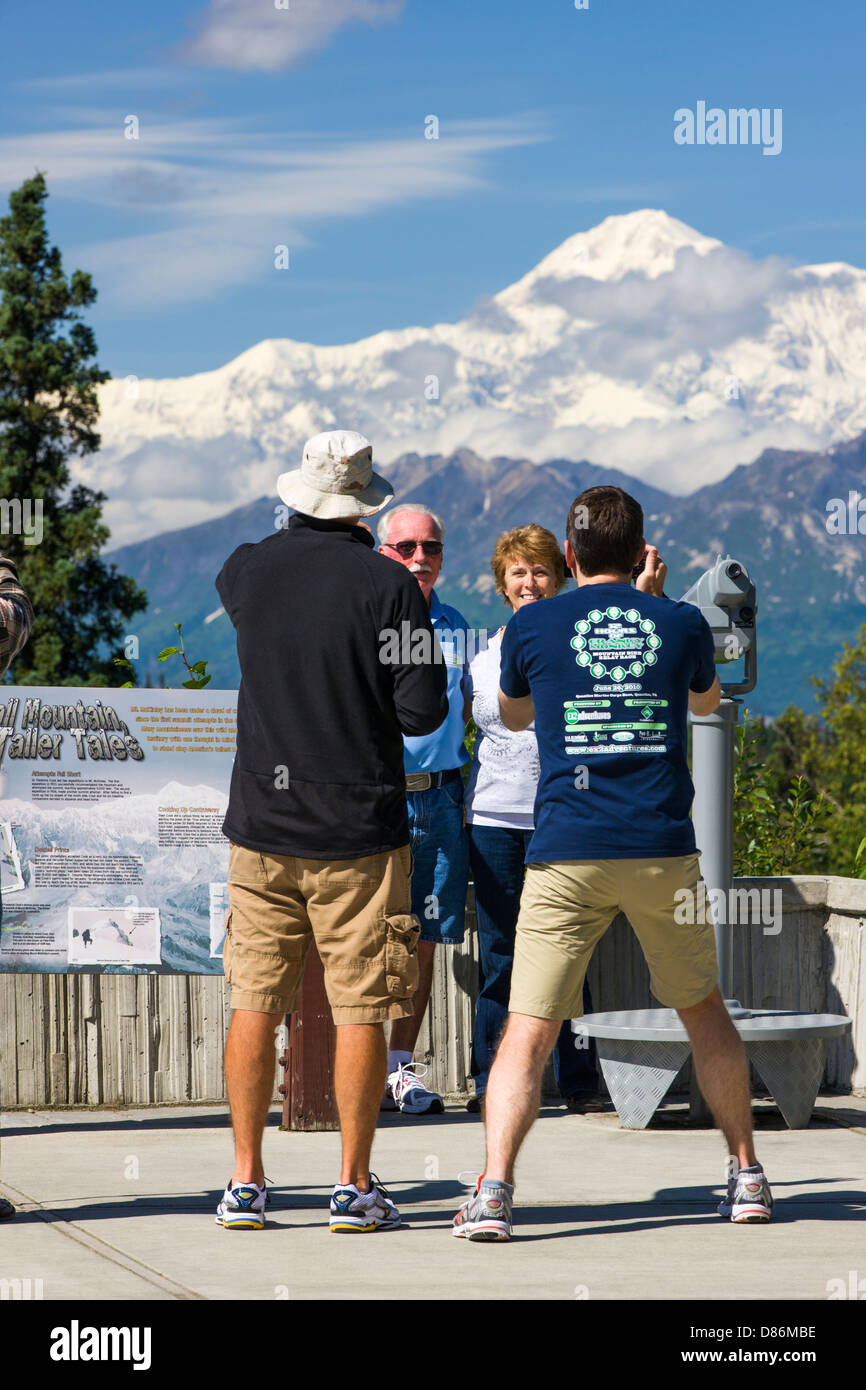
(605, 529)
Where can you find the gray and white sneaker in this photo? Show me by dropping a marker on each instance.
(748, 1198)
(486, 1215)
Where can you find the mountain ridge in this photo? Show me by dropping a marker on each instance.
(771, 514)
(640, 340)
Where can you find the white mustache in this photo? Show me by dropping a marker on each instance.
(420, 569)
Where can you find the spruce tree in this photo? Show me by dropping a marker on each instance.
(48, 412)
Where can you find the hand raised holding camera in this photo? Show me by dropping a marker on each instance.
(652, 572)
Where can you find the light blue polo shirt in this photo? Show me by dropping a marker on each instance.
(444, 749)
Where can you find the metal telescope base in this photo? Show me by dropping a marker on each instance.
(643, 1051)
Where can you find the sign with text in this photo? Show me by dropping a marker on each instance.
(112, 856)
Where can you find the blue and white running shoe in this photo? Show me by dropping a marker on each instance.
(353, 1211)
(242, 1207)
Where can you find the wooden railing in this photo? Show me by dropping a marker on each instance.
(120, 1040)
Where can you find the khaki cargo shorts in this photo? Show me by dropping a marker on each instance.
(358, 912)
(566, 908)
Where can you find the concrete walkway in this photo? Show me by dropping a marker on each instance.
(120, 1205)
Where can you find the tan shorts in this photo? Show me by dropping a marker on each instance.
(358, 911)
(566, 908)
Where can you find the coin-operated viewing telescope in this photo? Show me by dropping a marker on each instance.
(726, 596)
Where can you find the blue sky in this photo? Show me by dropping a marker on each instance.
(305, 127)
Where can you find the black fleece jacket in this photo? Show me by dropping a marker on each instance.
(318, 771)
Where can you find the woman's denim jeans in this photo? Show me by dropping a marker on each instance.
(497, 856)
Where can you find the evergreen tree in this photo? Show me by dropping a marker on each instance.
(800, 782)
(48, 411)
(835, 751)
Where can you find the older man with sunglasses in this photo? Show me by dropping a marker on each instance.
(413, 536)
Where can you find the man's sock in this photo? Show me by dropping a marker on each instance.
(398, 1059)
(496, 1184)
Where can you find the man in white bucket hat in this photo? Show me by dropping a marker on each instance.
(317, 819)
(336, 478)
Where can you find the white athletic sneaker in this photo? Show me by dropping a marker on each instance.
(486, 1215)
(748, 1198)
(353, 1211)
(752, 1199)
(409, 1093)
(242, 1207)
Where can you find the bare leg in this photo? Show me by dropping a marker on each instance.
(723, 1073)
(513, 1090)
(251, 1060)
(359, 1082)
(404, 1031)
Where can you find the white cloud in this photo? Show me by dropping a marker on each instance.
(253, 35)
(106, 77)
(164, 485)
(210, 199)
(706, 299)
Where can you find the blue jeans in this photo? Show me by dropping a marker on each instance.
(497, 856)
(440, 869)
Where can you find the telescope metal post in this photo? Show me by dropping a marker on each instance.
(713, 814)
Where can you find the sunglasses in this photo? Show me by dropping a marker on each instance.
(406, 549)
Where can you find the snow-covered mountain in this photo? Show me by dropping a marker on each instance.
(640, 342)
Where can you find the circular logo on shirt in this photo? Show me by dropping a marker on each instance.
(615, 644)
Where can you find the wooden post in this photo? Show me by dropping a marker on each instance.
(308, 1089)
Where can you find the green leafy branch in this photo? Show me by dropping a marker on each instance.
(199, 677)
(777, 830)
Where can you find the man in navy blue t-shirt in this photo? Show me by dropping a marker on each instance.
(608, 672)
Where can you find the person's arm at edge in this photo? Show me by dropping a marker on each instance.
(705, 699)
(16, 614)
(516, 714)
(703, 702)
(516, 709)
(224, 582)
(420, 689)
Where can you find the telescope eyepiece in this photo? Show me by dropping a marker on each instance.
(733, 570)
